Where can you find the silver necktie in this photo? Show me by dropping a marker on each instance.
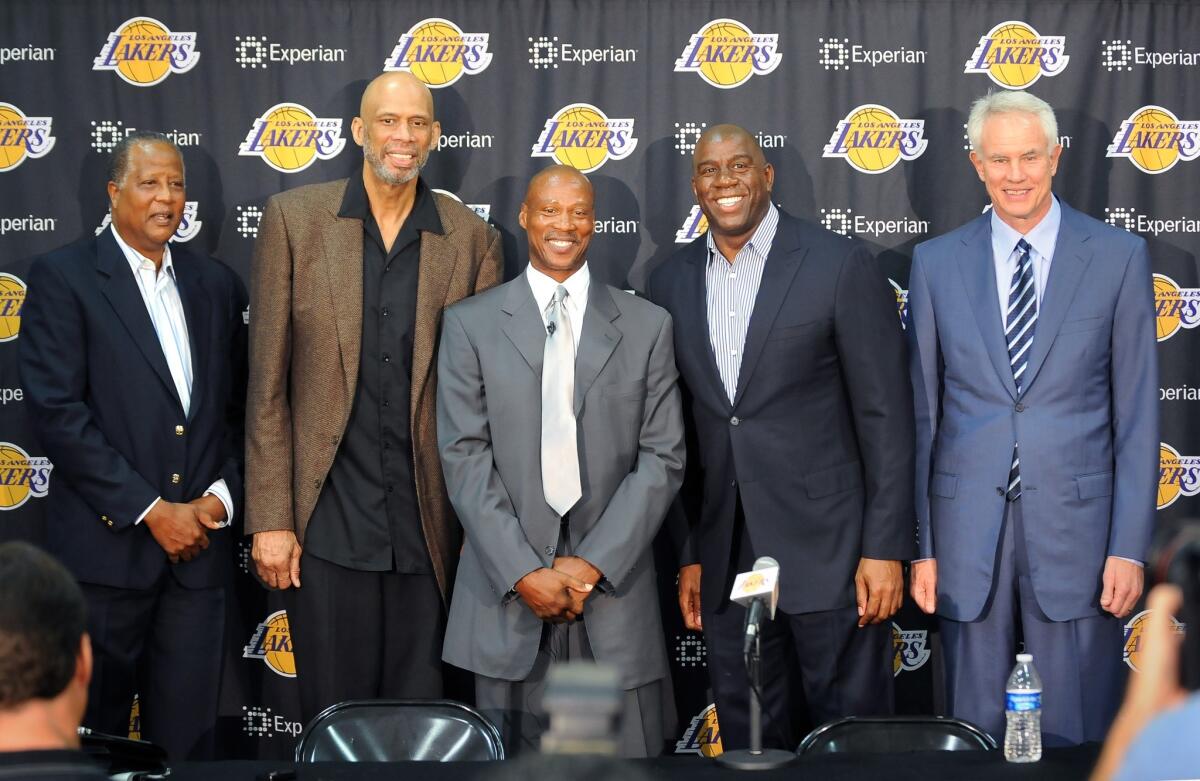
(560, 451)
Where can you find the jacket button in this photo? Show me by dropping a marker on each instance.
(175, 478)
(999, 491)
(735, 420)
(179, 431)
(110, 524)
(1020, 407)
(549, 550)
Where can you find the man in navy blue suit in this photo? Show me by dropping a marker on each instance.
(132, 355)
(792, 362)
(1035, 375)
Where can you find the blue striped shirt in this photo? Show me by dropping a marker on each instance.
(731, 290)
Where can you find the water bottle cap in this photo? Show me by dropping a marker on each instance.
(1024, 658)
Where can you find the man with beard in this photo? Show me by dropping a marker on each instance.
(344, 484)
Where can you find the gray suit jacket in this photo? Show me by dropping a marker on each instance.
(631, 453)
(1087, 421)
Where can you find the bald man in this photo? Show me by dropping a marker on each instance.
(562, 442)
(794, 364)
(344, 490)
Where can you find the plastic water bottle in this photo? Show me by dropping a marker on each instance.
(1023, 712)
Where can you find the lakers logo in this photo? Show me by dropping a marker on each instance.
(693, 227)
(1175, 307)
(1177, 475)
(1014, 55)
(726, 54)
(189, 226)
(579, 135)
(438, 53)
(901, 302)
(1134, 632)
(909, 651)
(1154, 140)
(135, 719)
(872, 139)
(22, 137)
(21, 476)
(272, 642)
(143, 52)
(12, 298)
(703, 735)
(289, 138)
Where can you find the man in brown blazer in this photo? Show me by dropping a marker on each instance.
(343, 480)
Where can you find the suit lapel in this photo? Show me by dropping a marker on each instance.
(197, 311)
(435, 269)
(693, 318)
(598, 339)
(524, 327)
(787, 254)
(978, 271)
(1071, 258)
(342, 242)
(123, 295)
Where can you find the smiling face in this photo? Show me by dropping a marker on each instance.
(1016, 164)
(396, 128)
(558, 218)
(147, 205)
(732, 182)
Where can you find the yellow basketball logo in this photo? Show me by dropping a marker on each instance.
(438, 53)
(1177, 475)
(581, 136)
(143, 52)
(289, 138)
(22, 137)
(272, 642)
(726, 54)
(1155, 140)
(703, 735)
(1175, 307)
(1014, 55)
(12, 298)
(693, 227)
(21, 476)
(872, 139)
(1134, 631)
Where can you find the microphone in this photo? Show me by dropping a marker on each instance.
(757, 590)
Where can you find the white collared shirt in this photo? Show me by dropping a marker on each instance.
(577, 285)
(1043, 238)
(165, 308)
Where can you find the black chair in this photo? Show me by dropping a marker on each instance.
(894, 734)
(398, 730)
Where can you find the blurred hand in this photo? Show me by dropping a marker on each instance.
(689, 596)
(879, 588)
(553, 595)
(178, 529)
(1121, 586)
(923, 586)
(276, 557)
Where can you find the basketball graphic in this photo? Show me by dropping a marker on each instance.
(22, 137)
(272, 643)
(1175, 307)
(12, 298)
(1154, 140)
(1014, 55)
(143, 52)
(581, 136)
(725, 53)
(873, 139)
(22, 476)
(1016, 75)
(289, 138)
(438, 53)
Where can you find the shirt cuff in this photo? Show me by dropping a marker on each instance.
(221, 491)
(146, 512)
(1131, 561)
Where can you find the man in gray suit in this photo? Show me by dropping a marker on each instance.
(561, 437)
(1035, 378)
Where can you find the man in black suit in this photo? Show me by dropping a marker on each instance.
(132, 355)
(794, 371)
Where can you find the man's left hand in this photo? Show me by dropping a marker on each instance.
(581, 569)
(212, 507)
(879, 588)
(1121, 586)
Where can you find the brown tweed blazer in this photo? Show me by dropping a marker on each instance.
(305, 337)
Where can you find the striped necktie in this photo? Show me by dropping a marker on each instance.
(1019, 324)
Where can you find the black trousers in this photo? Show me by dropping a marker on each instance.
(166, 644)
(823, 659)
(364, 635)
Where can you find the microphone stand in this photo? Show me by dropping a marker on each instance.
(756, 757)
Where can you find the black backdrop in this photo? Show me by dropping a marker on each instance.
(260, 96)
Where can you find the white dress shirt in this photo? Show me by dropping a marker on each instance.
(577, 284)
(165, 307)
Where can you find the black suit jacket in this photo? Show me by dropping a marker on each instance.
(819, 437)
(107, 414)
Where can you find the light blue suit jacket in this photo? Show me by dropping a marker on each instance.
(1087, 421)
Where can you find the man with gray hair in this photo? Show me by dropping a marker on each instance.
(1035, 377)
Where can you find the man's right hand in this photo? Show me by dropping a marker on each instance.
(276, 556)
(689, 596)
(179, 529)
(923, 585)
(553, 595)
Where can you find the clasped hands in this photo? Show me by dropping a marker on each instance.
(557, 594)
(181, 529)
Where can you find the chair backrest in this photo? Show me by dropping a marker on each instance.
(397, 730)
(896, 734)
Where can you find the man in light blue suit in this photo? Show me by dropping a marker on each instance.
(1035, 379)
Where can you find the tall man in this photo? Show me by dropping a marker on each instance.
(344, 485)
(133, 356)
(793, 361)
(561, 437)
(1034, 372)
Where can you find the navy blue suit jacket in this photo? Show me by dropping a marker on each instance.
(107, 414)
(818, 440)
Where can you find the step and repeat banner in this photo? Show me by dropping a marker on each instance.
(859, 104)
